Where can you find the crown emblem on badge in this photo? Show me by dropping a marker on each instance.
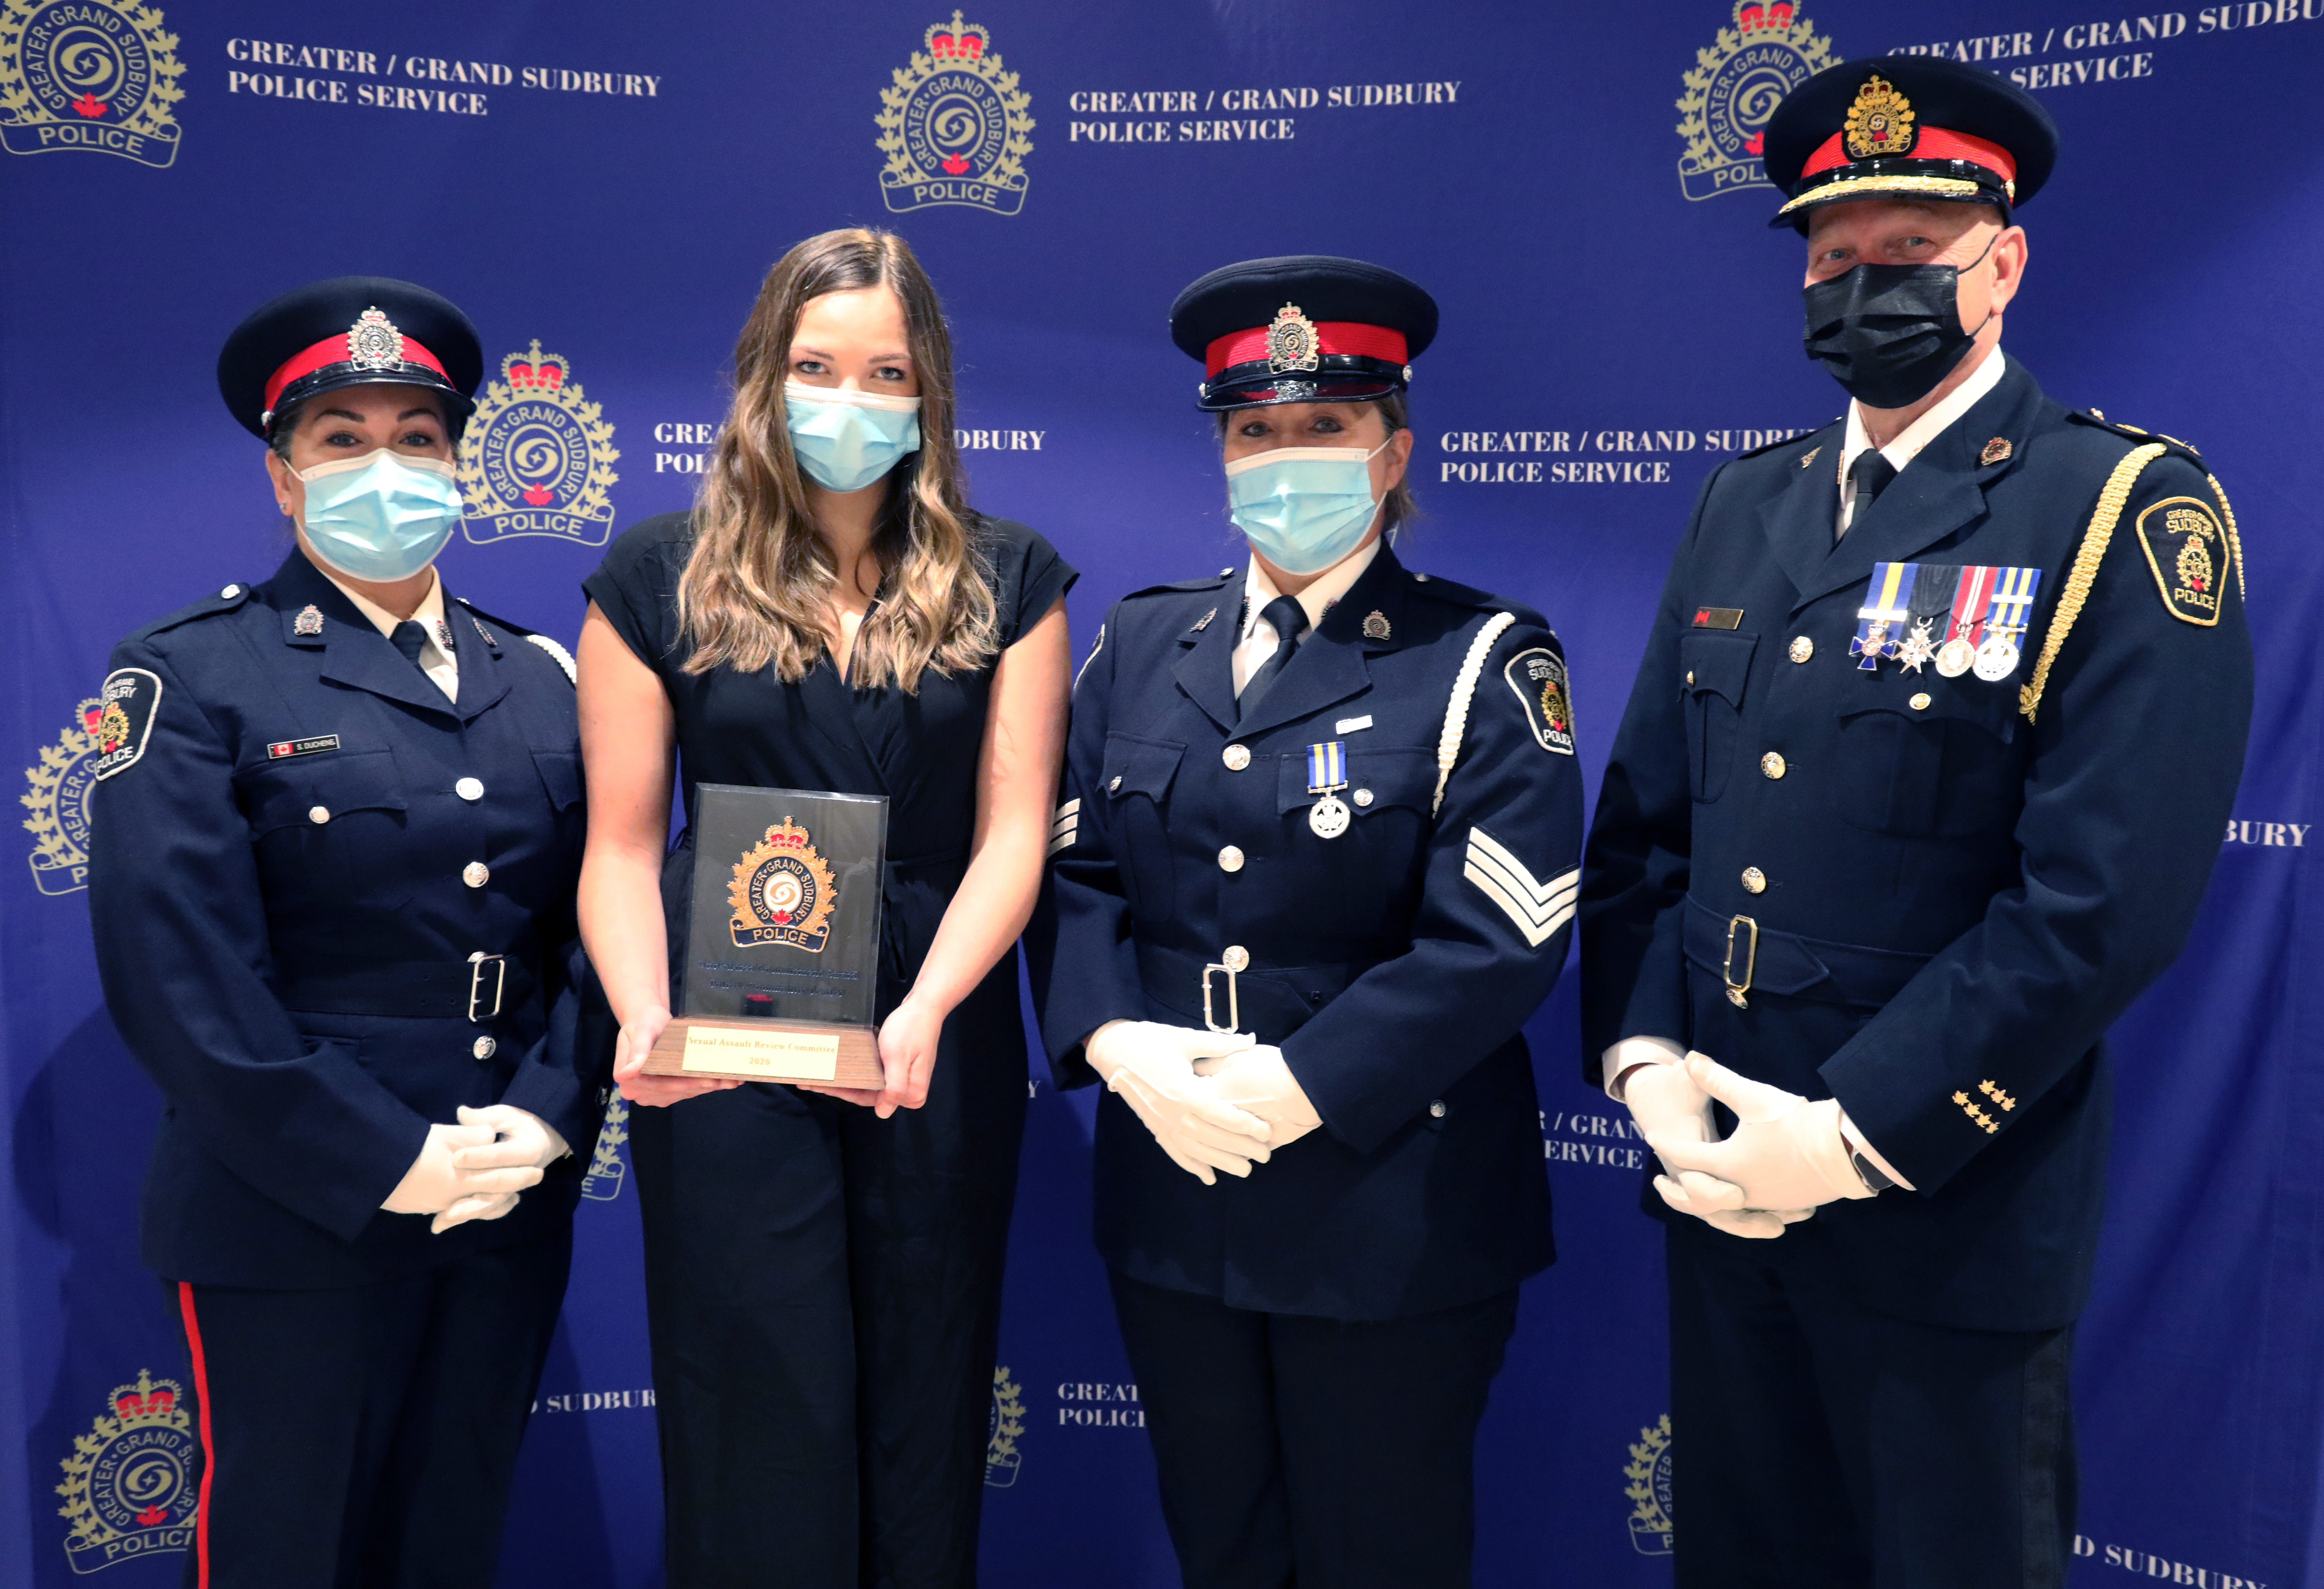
(536, 372)
(1290, 341)
(1753, 17)
(373, 343)
(958, 41)
(1880, 121)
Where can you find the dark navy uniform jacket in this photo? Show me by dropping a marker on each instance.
(284, 833)
(1394, 965)
(1957, 899)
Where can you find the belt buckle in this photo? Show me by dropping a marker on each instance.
(1735, 990)
(1234, 1004)
(476, 964)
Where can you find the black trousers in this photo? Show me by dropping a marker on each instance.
(1325, 1453)
(823, 1292)
(1820, 1445)
(365, 1437)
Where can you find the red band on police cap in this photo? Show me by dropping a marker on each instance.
(1933, 144)
(1344, 336)
(333, 350)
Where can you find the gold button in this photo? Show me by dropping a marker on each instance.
(1231, 859)
(1754, 881)
(1236, 959)
(1803, 648)
(475, 874)
(1364, 797)
(1772, 765)
(1690, 676)
(1236, 757)
(319, 814)
(1920, 703)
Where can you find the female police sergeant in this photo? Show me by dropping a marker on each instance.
(1333, 804)
(342, 828)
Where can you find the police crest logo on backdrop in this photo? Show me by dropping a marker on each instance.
(955, 126)
(602, 1181)
(539, 457)
(1006, 1428)
(58, 799)
(130, 1485)
(1647, 1486)
(1733, 89)
(98, 76)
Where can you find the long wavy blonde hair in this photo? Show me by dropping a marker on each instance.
(758, 586)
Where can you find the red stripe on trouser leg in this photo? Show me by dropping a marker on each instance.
(209, 1454)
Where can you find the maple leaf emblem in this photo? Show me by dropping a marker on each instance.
(90, 106)
(954, 164)
(540, 496)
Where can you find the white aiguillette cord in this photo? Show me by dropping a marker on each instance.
(1456, 710)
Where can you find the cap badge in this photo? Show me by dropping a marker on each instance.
(1995, 451)
(1290, 341)
(1880, 121)
(373, 343)
(1375, 625)
(309, 620)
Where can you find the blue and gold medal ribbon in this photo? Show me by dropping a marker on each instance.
(2012, 598)
(1881, 610)
(1327, 767)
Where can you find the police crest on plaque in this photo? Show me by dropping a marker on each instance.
(782, 892)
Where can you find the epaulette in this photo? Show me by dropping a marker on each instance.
(1208, 582)
(1788, 440)
(1453, 592)
(2092, 417)
(226, 600)
(557, 652)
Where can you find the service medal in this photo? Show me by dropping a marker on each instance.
(1955, 658)
(1996, 660)
(1916, 653)
(1327, 771)
(1328, 817)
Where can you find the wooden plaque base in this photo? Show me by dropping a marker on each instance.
(859, 1051)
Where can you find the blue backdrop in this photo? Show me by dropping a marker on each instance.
(602, 186)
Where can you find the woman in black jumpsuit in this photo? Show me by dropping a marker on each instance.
(823, 1278)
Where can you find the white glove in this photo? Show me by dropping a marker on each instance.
(1152, 1067)
(1670, 1107)
(436, 1180)
(1786, 1153)
(1257, 1080)
(521, 1138)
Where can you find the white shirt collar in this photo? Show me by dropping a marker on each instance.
(436, 659)
(1317, 598)
(1909, 442)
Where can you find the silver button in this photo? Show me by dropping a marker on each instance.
(1364, 797)
(1231, 859)
(475, 874)
(1236, 959)
(469, 789)
(1436, 1109)
(1919, 703)
(1754, 881)
(1772, 765)
(319, 814)
(1115, 787)
(1224, 572)
(229, 593)
(1420, 578)
(1803, 648)
(483, 1048)
(1236, 757)
(1690, 676)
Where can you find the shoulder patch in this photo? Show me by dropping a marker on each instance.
(126, 721)
(2097, 420)
(1538, 677)
(564, 658)
(2190, 555)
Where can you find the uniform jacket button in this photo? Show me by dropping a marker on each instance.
(1114, 787)
(469, 789)
(1690, 676)
(1236, 959)
(475, 874)
(1231, 859)
(1236, 757)
(1755, 881)
(229, 593)
(1803, 648)
(484, 1047)
(1772, 765)
(1364, 797)
(1436, 1109)
(1919, 703)
(319, 814)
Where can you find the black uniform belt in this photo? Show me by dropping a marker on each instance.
(1274, 1000)
(1752, 958)
(478, 989)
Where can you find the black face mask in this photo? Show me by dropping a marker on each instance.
(1889, 333)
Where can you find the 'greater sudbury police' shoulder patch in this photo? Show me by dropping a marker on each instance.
(2190, 555)
(126, 721)
(1538, 676)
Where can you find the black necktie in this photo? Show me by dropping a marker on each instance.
(409, 639)
(1871, 472)
(1289, 619)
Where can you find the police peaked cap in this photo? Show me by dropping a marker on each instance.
(1303, 328)
(1908, 126)
(348, 331)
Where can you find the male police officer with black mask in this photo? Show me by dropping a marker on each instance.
(1919, 786)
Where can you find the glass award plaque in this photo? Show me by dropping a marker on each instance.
(782, 943)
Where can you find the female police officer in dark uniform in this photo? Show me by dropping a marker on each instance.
(340, 826)
(1332, 805)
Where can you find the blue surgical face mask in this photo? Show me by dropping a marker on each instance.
(1303, 508)
(383, 516)
(846, 441)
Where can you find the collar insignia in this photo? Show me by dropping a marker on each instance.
(373, 343)
(1375, 625)
(1290, 341)
(444, 636)
(1203, 622)
(309, 620)
(1880, 121)
(1809, 457)
(1995, 451)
